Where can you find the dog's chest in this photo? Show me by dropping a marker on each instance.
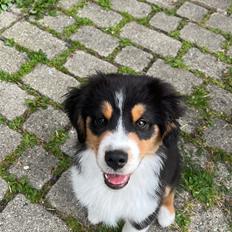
(134, 202)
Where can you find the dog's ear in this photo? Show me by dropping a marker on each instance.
(171, 108)
(73, 106)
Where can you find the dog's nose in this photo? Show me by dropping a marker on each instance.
(116, 159)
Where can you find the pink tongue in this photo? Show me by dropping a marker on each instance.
(117, 179)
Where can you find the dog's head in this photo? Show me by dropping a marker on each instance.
(123, 119)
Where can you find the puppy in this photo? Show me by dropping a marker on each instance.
(129, 163)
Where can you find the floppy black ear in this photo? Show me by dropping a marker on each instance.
(73, 106)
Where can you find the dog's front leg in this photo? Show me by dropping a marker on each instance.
(93, 217)
(130, 228)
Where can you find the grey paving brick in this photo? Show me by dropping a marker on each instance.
(220, 99)
(9, 141)
(150, 39)
(10, 59)
(223, 176)
(13, 99)
(220, 21)
(62, 198)
(35, 164)
(83, 64)
(190, 120)
(205, 63)
(192, 11)
(165, 22)
(219, 135)
(3, 188)
(66, 4)
(44, 123)
(182, 80)
(32, 37)
(70, 146)
(212, 219)
(50, 82)
(133, 57)
(101, 17)
(7, 18)
(58, 22)
(20, 215)
(215, 4)
(164, 3)
(95, 39)
(229, 53)
(133, 7)
(208, 39)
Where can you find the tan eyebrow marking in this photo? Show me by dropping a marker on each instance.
(107, 110)
(137, 111)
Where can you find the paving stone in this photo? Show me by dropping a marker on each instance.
(208, 39)
(205, 63)
(44, 123)
(101, 17)
(165, 22)
(215, 4)
(35, 164)
(95, 39)
(220, 21)
(182, 198)
(219, 135)
(220, 99)
(83, 64)
(58, 22)
(223, 176)
(70, 146)
(164, 3)
(211, 219)
(196, 155)
(7, 18)
(133, 7)
(10, 59)
(192, 11)
(30, 36)
(134, 58)
(229, 53)
(182, 80)
(150, 39)
(62, 198)
(9, 141)
(12, 102)
(20, 215)
(190, 120)
(3, 188)
(50, 82)
(66, 4)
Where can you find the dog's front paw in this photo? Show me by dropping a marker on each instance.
(93, 218)
(165, 217)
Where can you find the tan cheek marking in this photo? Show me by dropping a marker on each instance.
(107, 110)
(137, 111)
(92, 140)
(147, 146)
(168, 200)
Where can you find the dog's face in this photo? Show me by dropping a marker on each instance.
(123, 119)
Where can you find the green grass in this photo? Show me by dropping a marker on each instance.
(106, 4)
(126, 70)
(182, 220)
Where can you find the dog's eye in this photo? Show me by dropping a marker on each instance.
(100, 122)
(141, 123)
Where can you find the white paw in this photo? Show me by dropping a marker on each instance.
(93, 218)
(165, 218)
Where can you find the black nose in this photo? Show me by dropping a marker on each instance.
(116, 159)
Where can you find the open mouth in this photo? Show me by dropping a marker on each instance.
(116, 181)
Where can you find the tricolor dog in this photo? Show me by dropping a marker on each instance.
(128, 164)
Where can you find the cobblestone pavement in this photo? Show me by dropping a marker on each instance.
(187, 43)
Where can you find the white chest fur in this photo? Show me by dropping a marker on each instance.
(136, 201)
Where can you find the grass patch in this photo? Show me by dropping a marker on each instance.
(16, 123)
(200, 184)
(175, 62)
(182, 220)
(126, 70)
(106, 4)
